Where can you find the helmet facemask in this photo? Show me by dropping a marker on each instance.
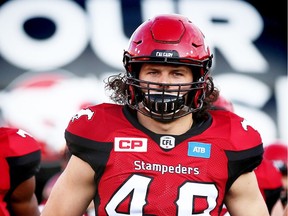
(165, 102)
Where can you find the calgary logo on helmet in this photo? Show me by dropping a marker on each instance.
(164, 54)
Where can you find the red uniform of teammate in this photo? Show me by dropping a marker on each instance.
(269, 181)
(19, 161)
(277, 153)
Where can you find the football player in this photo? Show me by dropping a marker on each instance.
(159, 150)
(277, 153)
(270, 184)
(19, 162)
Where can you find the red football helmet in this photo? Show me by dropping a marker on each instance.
(277, 152)
(167, 39)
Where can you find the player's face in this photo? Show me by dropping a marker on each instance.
(166, 74)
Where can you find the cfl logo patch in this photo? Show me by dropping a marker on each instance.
(167, 142)
(125, 144)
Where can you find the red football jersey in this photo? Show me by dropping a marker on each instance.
(19, 160)
(139, 172)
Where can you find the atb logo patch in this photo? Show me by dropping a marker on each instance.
(167, 142)
(197, 149)
(125, 144)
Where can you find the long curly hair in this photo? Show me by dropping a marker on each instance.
(118, 88)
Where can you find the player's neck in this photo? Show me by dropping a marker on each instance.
(176, 127)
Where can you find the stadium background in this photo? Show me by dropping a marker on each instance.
(54, 55)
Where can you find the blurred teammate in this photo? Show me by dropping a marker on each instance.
(19, 161)
(270, 184)
(268, 176)
(277, 153)
(160, 151)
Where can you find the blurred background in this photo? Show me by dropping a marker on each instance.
(55, 54)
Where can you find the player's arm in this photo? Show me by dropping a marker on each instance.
(23, 200)
(244, 197)
(73, 191)
(285, 210)
(277, 209)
